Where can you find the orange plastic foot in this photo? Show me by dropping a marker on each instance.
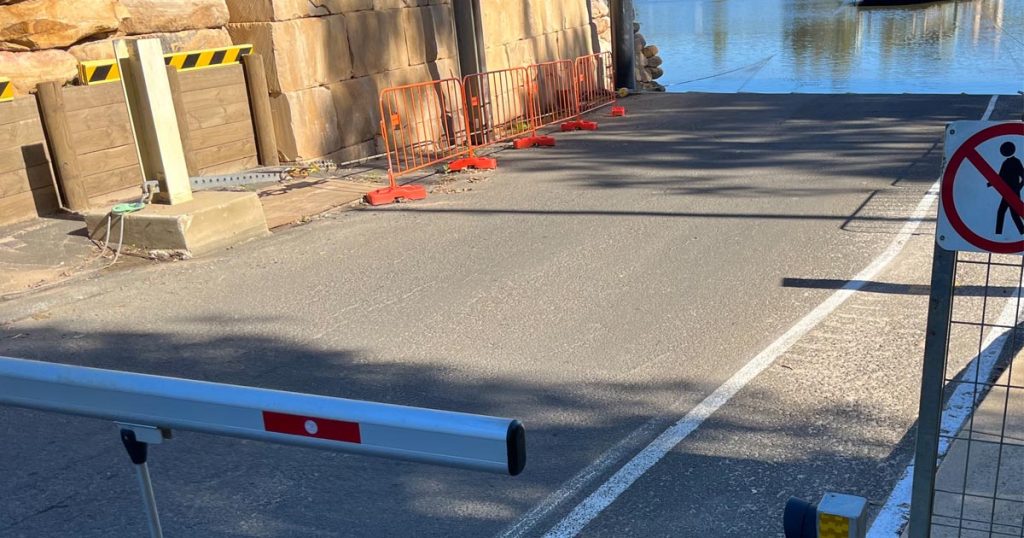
(480, 163)
(534, 141)
(579, 125)
(618, 111)
(390, 195)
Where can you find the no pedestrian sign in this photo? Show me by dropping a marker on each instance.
(981, 208)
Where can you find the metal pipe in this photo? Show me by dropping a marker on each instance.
(625, 55)
(461, 440)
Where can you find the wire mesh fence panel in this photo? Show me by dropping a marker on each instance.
(979, 483)
(595, 81)
(423, 125)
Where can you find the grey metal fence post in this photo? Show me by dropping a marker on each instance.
(940, 305)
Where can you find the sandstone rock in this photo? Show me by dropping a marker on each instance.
(430, 34)
(306, 124)
(152, 16)
(603, 27)
(507, 22)
(27, 69)
(300, 53)
(534, 50)
(358, 113)
(636, 27)
(642, 75)
(47, 24)
(656, 72)
(383, 30)
(650, 51)
(497, 57)
(575, 42)
(172, 42)
(639, 41)
(380, 5)
(599, 9)
(284, 10)
(573, 14)
(639, 61)
(654, 61)
(604, 45)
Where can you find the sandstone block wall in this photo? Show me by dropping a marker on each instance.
(522, 32)
(43, 40)
(327, 62)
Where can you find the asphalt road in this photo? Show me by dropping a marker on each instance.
(604, 286)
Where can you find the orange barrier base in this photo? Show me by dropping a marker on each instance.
(618, 111)
(390, 195)
(579, 125)
(480, 163)
(534, 141)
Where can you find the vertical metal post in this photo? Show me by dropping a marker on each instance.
(929, 422)
(138, 451)
(625, 55)
(467, 37)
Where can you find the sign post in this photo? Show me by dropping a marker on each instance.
(980, 210)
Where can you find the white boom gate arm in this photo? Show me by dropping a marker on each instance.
(140, 402)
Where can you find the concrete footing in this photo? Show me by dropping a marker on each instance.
(210, 221)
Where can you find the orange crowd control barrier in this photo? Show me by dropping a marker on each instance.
(595, 83)
(445, 121)
(423, 125)
(553, 92)
(501, 107)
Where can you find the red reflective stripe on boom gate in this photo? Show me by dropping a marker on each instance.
(319, 428)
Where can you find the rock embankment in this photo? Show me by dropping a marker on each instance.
(648, 63)
(44, 40)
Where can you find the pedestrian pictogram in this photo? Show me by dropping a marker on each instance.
(981, 208)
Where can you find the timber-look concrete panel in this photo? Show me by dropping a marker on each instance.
(219, 120)
(219, 125)
(27, 188)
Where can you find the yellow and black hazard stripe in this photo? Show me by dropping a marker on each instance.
(183, 61)
(6, 89)
(99, 71)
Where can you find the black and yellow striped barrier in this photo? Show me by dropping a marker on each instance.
(6, 89)
(100, 71)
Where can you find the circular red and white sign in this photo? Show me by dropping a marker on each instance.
(959, 170)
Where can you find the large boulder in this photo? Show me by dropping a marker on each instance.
(153, 16)
(380, 39)
(27, 69)
(47, 24)
(172, 42)
(301, 53)
(306, 124)
(284, 10)
(430, 34)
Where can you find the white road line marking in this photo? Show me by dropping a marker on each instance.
(896, 511)
(593, 505)
(990, 109)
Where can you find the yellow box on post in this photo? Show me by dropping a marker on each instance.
(842, 516)
(100, 71)
(6, 89)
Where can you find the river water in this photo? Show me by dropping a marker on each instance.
(832, 46)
